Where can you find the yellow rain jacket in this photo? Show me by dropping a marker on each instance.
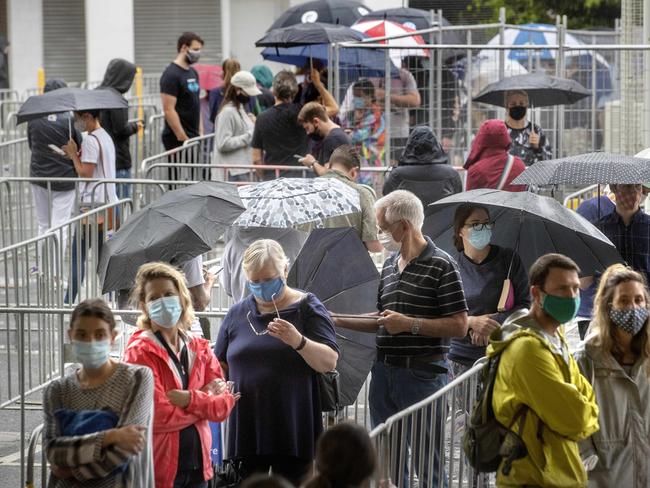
(562, 406)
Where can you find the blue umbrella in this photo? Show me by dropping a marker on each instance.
(356, 62)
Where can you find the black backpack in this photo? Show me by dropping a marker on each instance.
(487, 442)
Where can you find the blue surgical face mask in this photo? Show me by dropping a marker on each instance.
(91, 354)
(479, 239)
(165, 311)
(266, 290)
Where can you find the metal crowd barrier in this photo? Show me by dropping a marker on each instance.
(152, 138)
(15, 157)
(426, 438)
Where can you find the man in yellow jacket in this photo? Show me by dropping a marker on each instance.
(536, 370)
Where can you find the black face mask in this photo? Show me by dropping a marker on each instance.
(517, 113)
(316, 137)
(243, 99)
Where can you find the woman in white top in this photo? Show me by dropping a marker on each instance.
(234, 128)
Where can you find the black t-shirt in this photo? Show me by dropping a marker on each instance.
(323, 151)
(184, 85)
(278, 133)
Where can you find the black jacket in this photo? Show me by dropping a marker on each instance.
(52, 129)
(424, 169)
(119, 77)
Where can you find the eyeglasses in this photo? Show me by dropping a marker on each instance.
(265, 331)
(479, 226)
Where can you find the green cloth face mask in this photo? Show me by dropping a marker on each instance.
(562, 309)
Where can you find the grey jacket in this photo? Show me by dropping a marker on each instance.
(623, 442)
(232, 138)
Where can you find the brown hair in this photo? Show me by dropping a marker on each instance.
(602, 330)
(345, 456)
(186, 39)
(460, 217)
(93, 307)
(542, 267)
(152, 271)
(229, 67)
(347, 156)
(285, 86)
(311, 111)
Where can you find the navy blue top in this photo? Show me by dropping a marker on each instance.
(279, 410)
(483, 283)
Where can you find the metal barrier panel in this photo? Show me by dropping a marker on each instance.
(424, 442)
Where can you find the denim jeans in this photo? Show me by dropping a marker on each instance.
(392, 389)
(80, 257)
(123, 190)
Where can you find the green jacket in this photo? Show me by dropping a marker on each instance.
(562, 407)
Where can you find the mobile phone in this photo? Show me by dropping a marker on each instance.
(214, 270)
(56, 149)
(298, 156)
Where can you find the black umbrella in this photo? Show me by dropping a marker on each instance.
(533, 224)
(587, 169)
(335, 266)
(307, 34)
(69, 100)
(177, 227)
(417, 19)
(543, 90)
(343, 12)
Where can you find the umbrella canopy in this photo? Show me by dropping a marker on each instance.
(355, 62)
(343, 12)
(485, 70)
(69, 100)
(349, 289)
(416, 19)
(533, 224)
(543, 90)
(210, 76)
(404, 46)
(587, 169)
(177, 227)
(296, 202)
(307, 34)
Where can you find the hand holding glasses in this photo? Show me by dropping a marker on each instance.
(265, 331)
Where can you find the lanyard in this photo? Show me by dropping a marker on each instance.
(182, 366)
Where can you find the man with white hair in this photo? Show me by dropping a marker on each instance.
(421, 305)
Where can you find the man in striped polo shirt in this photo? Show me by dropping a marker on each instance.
(421, 306)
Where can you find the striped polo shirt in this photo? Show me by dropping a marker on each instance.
(429, 287)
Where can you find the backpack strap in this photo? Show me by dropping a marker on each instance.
(506, 172)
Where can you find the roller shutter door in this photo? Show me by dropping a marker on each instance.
(64, 40)
(159, 23)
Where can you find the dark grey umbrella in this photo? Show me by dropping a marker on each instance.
(306, 34)
(587, 169)
(69, 100)
(177, 227)
(335, 266)
(534, 224)
(343, 12)
(543, 90)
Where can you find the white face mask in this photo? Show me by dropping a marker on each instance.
(388, 242)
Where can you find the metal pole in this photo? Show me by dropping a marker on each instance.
(560, 135)
(21, 382)
(646, 75)
(439, 78)
(502, 41)
(387, 83)
(337, 72)
(594, 115)
(469, 77)
(431, 73)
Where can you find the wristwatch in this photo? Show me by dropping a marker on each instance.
(415, 326)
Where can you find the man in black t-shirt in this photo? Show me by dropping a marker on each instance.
(179, 91)
(278, 136)
(324, 134)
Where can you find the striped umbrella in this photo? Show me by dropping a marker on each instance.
(404, 46)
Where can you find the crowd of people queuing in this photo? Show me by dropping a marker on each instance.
(582, 417)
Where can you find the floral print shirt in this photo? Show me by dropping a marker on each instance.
(521, 147)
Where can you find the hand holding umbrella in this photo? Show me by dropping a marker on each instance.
(70, 149)
(533, 139)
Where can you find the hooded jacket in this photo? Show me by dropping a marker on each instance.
(145, 349)
(119, 77)
(488, 157)
(623, 442)
(424, 169)
(562, 406)
(52, 129)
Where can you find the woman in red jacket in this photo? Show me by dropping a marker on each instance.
(489, 165)
(189, 389)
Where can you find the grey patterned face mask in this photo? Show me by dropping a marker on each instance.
(631, 320)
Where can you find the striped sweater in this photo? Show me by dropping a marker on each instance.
(129, 393)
